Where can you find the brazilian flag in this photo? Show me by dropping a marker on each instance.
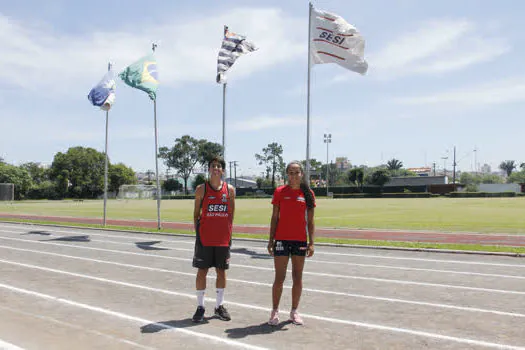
(143, 75)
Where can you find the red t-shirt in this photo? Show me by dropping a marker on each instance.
(292, 225)
(215, 225)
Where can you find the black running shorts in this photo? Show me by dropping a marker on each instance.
(287, 248)
(206, 257)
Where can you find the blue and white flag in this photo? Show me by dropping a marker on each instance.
(233, 46)
(103, 94)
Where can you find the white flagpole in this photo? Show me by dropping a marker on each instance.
(307, 172)
(224, 113)
(224, 121)
(154, 46)
(106, 163)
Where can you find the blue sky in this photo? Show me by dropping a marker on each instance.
(441, 74)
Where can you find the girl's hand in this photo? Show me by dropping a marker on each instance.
(310, 250)
(270, 248)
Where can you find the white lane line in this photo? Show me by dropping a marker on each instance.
(130, 318)
(320, 252)
(7, 346)
(320, 291)
(322, 261)
(384, 280)
(249, 306)
(69, 325)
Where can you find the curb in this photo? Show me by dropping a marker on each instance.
(338, 245)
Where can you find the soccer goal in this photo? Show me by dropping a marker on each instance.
(7, 192)
(137, 192)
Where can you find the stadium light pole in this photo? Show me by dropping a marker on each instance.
(327, 140)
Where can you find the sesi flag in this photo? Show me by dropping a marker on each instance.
(143, 75)
(233, 46)
(336, 41)
(103, 94)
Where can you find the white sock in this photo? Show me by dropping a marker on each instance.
(220, 296)
(200, 297)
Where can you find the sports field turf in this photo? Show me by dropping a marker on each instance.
(490, 215)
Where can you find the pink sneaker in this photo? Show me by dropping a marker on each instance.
(274, 318)
(295, 318)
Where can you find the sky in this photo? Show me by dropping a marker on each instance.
(442, 74)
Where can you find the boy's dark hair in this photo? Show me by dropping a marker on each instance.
(307, 192)
(219, 160)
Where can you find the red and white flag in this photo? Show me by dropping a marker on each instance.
(336, 41)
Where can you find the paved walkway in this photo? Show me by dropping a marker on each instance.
(369, 234)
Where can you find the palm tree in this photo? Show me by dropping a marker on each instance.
(394, 164)
(508, 166)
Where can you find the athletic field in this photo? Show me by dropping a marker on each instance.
(485, 215)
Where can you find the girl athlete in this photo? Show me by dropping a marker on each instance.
(292, 225)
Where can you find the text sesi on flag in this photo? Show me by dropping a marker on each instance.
(333, 40)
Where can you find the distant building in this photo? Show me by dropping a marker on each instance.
(486, 169)
(242, 182)
(421, 171)
(342, 163)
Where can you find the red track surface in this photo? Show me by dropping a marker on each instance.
(378, 235)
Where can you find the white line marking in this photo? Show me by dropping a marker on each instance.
(6, 346)
(249, 306)
(393, 300)
(318, 252)
(69, 325)
(130, 318)
(385, 280)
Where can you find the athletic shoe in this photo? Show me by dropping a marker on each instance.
(274, 318)
(295, 318)
(198, 316)
(222, 313)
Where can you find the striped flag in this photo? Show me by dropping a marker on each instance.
(233, 46)
(336, 41)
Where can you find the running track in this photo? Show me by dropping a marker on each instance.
(379, 235)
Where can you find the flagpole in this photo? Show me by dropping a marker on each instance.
(307, 172)
(106, 163)
(224, 112)
(224, 122)
(154, 46)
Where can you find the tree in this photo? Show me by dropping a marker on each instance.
(2, 160)
(118, 175)
(522, 166)
(394, 164)
(38, 173)
(272, 158)
(182, 157)
(508, 166)
(17, 176)
(172, 185)
(356, 176)
(208, 150)
(199, 179)
(149, 174)
(79, 172)
(379, 177)
(517, 177)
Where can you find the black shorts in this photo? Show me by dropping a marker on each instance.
(287, 248)
(206, 257)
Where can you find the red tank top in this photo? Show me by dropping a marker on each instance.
(215, 225)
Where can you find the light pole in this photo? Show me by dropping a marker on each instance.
(444, 165)
(327, 140)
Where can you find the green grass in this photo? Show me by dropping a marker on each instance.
(519, 251)
(485, 215)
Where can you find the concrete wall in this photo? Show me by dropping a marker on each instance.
(497, 188)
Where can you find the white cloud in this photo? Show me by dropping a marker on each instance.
(499, 92)
(267, 122)
(41, 59)
(436, 46)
